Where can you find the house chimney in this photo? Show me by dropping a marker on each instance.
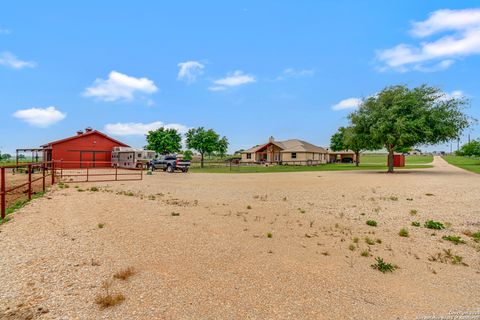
(271, 139)
(79, 132)
(88, 129)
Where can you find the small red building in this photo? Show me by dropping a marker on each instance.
(86, 149)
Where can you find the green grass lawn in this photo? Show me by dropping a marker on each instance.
(464, 163)
(382, 159)
(323, 167)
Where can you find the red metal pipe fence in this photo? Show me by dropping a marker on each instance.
(24, 180)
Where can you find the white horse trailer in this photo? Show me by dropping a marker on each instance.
(124, 157)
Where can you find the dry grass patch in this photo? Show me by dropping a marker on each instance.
(124, 274)
(108, 299)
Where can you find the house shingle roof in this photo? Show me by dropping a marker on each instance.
(292, 145)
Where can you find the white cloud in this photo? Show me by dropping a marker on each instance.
(9, 60)
(40, 117)
(295, 73)
(233, 79)
(138, 128)
(456, 94)
(350, 103)
(119, 86)
(189, 71)
(462, 38)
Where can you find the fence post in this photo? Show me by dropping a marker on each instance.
(53, 172)
(87, 173)
(29, 182)
(43, 177)
(116, 173)
(141, 172)
(2, 192)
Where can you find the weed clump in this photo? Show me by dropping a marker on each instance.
(369, 241)
(447, 256)
(365, 253)
(101, 225)
(94, 189)
(403, 233)
(382, 266)
(269, 235)
(108, 299)
(415, 223)
(455, 239)
(413, 212)
(371, 223)
(430, 224)
(124, 274)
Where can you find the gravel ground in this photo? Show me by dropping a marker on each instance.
(200, 249)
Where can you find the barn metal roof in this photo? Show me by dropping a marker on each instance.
(88, 133)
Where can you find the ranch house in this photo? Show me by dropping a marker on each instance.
(292, 151)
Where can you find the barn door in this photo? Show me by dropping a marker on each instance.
(87, 159)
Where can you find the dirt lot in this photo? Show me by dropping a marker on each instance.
(200, 247)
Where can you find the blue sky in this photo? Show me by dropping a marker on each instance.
(248, 69)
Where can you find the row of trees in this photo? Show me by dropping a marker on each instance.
(205, 142)
(399, 118)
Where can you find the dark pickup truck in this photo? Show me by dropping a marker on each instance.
(170, 164)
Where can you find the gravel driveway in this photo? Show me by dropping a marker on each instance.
(247, 246)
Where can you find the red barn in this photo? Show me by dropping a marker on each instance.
(86, 149)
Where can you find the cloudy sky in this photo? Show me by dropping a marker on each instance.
(248, 69)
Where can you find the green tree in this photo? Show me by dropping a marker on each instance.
(350, 138)
(337, 141)
(188, 155)
(164, 141)
(6, 156)
(399, 117)
(206, 142)
(471, 149)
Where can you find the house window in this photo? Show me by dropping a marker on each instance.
(249, 156)
(294, 155)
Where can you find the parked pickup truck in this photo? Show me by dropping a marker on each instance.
(170, 164)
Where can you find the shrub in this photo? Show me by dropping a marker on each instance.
(365, 253)
(101, 225)
(455, 239)
(413, 212)
(369, 241)
(351, 247)
(269, 235)
(94, 189)
(382, 266)
(415, 223)
(430, 224)
(372, 223)
(403, 233)
(476, 236)
(249, 207)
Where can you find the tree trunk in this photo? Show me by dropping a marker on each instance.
(357, 158)
(390, 160)
(201, 160)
